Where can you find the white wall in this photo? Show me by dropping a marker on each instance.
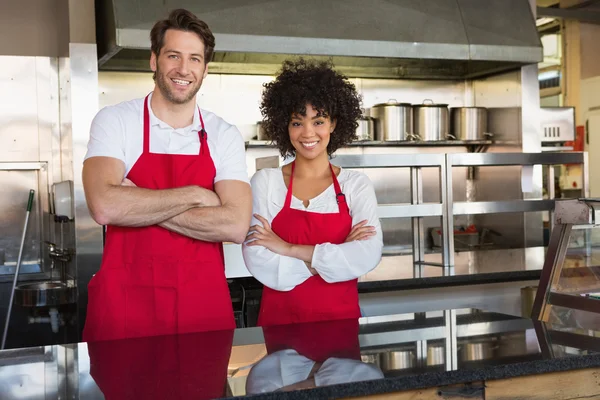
(590, 108)
(236, 98)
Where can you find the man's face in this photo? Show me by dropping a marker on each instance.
(180, 67)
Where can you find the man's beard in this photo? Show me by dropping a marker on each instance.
(166, 90)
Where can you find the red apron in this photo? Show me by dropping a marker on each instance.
(317, 341)
(153, 281)
(192, 366)
(314, 299)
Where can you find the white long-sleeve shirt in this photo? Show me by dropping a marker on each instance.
(333, 262)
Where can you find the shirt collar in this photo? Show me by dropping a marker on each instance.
(154, 120)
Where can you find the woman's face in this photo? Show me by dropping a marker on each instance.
(310, 133)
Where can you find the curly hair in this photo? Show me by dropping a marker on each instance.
(302, 82)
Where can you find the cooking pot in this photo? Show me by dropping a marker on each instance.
(436, 354)
(477, 349)
(469, 123)
(366, 127)
(260, 131)
(393, 121)
(431, 121)
(396, 360)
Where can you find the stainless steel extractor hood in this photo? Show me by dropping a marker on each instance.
(421, 39)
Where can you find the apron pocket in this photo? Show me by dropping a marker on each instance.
(203, 284)
(150, 311)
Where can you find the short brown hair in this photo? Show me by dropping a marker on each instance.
(182, 20)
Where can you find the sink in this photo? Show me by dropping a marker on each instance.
(45, 294)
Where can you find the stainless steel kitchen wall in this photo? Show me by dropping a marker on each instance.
(30, 158)
(48, 95)
(29, 154)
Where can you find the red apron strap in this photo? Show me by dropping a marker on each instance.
(202, 133)
(340, 197)
(146, 126)
(288, 196)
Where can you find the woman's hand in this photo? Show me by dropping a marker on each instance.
(360, 232)
(264, 236)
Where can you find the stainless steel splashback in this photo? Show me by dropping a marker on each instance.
(29, 156)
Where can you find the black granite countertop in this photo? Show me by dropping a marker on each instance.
(334, 359)
(521, 347)
(438, 379)
(449, 280)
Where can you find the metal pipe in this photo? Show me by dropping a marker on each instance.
(418, 228)
(14, 284)
(447, 201)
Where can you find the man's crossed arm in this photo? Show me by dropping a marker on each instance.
(223, 215)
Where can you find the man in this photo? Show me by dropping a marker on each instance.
(170, 182)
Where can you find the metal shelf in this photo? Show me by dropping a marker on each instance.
(394, 143)
(389, 160)
(447, 208)
(410, 210)
(497, 207)
(507, 159)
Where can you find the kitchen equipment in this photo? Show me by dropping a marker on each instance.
(393, 121)
(431, 121)
(260, 131)
(477, 349)
(19, 258)
(62, 199)
(558, 124)
(371, 358)
(396, 360)
(465, 237)
(45, 294)
(366, 128)
(469, 123)
(436, 354)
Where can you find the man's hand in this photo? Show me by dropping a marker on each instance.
(264, 236)
(223, 216)
(127, 182)
(360, 232)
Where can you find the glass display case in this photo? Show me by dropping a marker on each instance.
(570, 277)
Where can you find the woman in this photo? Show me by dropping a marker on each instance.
(315, 228)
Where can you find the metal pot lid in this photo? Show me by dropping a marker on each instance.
(392, 103)
(470, 107)
(431, 104)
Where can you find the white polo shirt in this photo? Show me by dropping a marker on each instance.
(117, 131)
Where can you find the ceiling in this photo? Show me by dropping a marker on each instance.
(587, 11)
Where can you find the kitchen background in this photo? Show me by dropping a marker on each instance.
(60, 71)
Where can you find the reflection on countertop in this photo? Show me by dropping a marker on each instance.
(318, 360)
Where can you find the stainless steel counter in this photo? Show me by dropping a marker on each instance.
(368, 356)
